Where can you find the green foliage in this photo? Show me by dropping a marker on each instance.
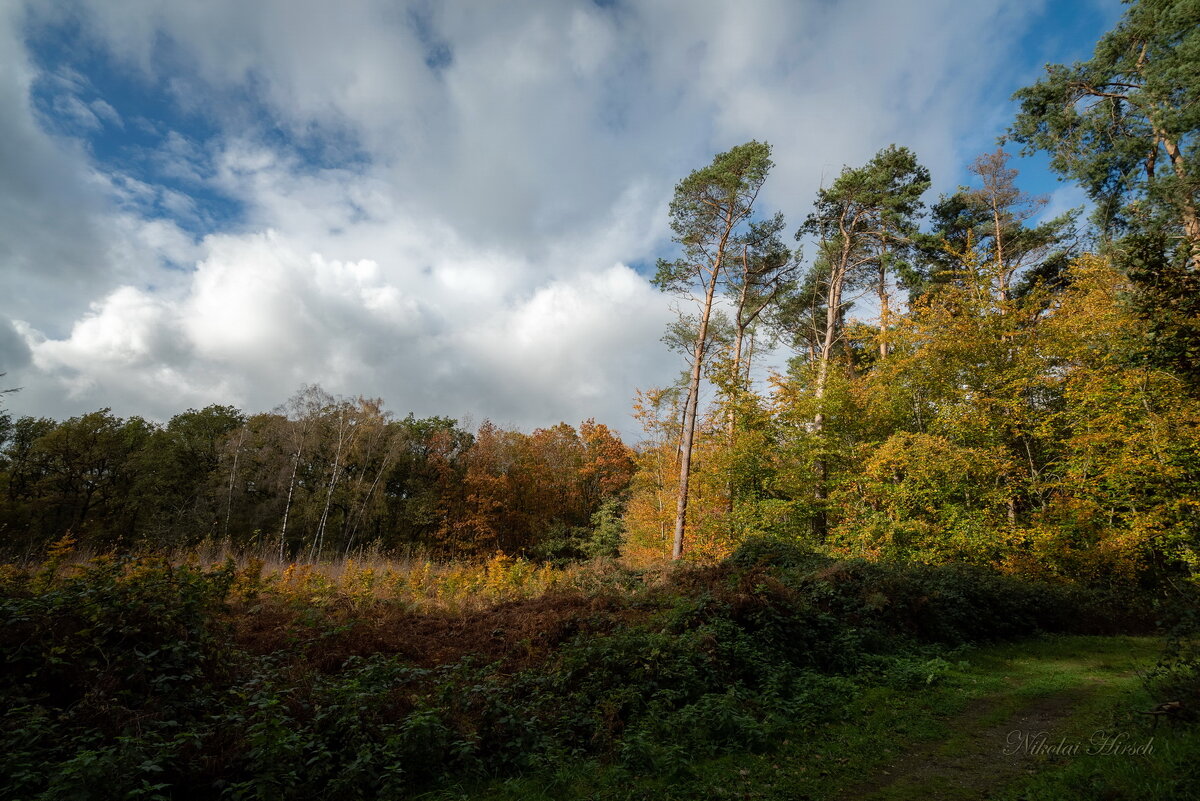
(1124, 123)
(106, 671)
(121, 679)
(880, 200)
(1166, 298)
(864, 224)
(1176, 677)
(325, 476)
(992, 222)
(774, 552)
(708, 205)
(602, 540)
(608, 531)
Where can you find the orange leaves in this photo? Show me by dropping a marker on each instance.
(608, 462)
(519, 489)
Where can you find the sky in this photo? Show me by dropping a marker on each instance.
(455, 206)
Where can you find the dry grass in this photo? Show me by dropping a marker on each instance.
(413, 579)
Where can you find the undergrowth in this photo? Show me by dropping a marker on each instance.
(142, 678)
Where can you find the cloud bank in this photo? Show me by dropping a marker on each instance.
(449, 205)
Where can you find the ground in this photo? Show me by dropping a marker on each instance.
(959, 734)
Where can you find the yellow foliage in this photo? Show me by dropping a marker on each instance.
(421, 584)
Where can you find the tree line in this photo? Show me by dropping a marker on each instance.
(319, 477)
(1025, 390)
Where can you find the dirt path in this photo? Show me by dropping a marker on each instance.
(984, 756)
(1033, 705)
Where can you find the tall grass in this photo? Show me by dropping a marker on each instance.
(414, 577)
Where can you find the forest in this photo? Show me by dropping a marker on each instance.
(321, 477)
(987, 429)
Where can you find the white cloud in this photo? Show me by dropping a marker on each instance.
(484, 174)
(261, 317)
(107, 113)
(76, 113)
(63, 240)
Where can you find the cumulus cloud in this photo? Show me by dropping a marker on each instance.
(437, 203)
(258, 318)
(63, 239)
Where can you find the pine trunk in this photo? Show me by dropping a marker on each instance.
(689, 416)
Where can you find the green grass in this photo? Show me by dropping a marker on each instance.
(1093, 679)
(1171, 774)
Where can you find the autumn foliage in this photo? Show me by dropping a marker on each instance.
(322, 477)
(1018, 430)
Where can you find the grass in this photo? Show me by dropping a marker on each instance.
(937, 723)
(415, 578)
(1170, 775)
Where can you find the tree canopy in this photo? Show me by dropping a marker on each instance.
(1124, 123)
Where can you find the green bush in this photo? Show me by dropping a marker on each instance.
(122, 680)
(775, 552)
(101, 669)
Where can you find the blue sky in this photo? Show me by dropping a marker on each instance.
(449, 205)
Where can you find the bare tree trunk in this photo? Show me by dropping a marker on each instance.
(749, 358)
(319, 541)
(739, 336)
(287, 507)
(237, 451)
(884, 311)
(732, 421)
(832, 316)
(740, 326)
(1001, 274)
(1187, 205)
(350, 524)
(362, 509)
